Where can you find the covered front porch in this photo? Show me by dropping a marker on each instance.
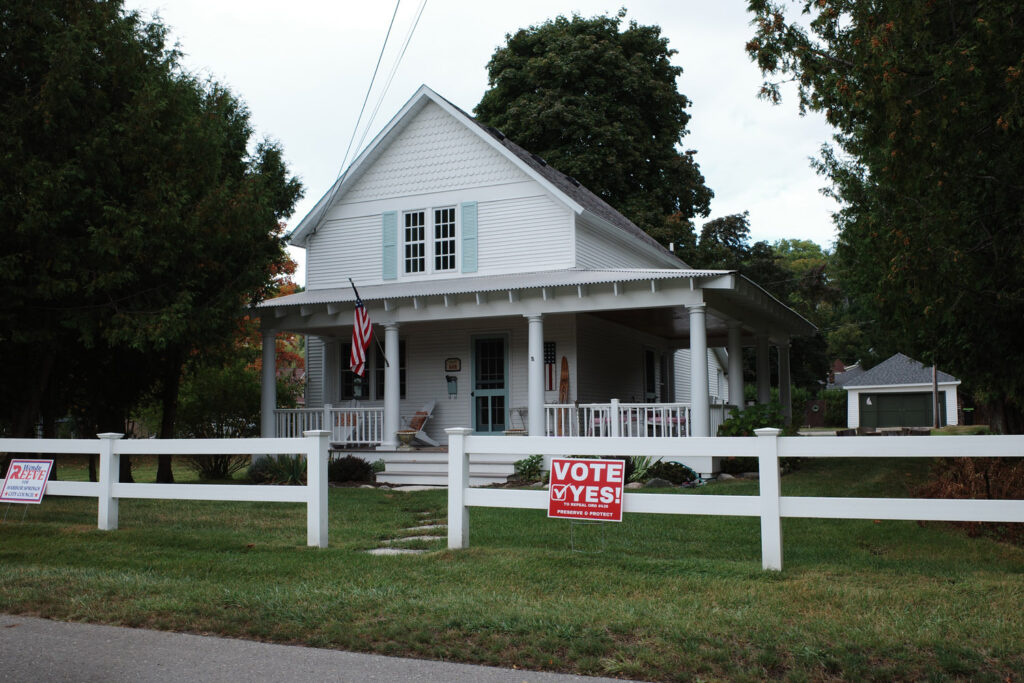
(602, 321)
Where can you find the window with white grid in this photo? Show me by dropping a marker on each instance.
(415, 242)
(444, 239)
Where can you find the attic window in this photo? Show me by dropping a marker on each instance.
(415, 242)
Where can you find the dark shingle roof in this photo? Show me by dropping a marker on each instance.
(844, 378)
(897, 370)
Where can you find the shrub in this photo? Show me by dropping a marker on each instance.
(280, 469)
(674, 472)
(530, 467)
(349, 468)
(835, 407)
(641, 467)
(378, 466)
(754, 417)
(982, 478)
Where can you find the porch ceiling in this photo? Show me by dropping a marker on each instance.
(652, 301)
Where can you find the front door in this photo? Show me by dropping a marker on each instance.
(490, 384)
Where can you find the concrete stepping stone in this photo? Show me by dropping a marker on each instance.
(396, 551)
(416, 538)
(426, 527)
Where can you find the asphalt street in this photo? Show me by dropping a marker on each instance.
(34, 649)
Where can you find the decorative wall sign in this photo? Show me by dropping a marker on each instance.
(453, 365)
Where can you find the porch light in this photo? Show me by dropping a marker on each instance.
(453, 386)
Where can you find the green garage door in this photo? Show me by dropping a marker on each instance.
(900, 410)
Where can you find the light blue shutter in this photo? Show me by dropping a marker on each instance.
(469, 241)
(389, 245)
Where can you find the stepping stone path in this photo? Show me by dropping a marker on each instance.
(427, 525)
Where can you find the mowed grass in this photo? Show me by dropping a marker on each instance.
(656, 597)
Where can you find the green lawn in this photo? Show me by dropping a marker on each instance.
(657, 597)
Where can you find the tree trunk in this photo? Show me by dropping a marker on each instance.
(169, 412)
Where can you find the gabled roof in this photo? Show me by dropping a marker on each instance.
(563, 187)
(896, 371)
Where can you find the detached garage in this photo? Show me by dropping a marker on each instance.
(898, 393)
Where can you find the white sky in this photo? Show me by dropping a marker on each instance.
(303, 67)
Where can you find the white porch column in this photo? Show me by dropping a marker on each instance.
(735, 349)
(535, 375)
(392, 388)
(700, 411)
(268, 385)
(785, 394)
(764, 376)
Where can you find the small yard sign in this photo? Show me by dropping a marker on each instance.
(26, 480)
(586, 489)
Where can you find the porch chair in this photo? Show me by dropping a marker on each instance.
(344, 426)
(418, 421)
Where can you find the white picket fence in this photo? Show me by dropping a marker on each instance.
(110, 447)
(770, 505)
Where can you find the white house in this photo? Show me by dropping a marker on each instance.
(482, 268)
(898, 393)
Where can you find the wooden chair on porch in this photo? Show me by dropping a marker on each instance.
(418, 421)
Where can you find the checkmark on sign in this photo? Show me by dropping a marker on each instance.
(558, 492)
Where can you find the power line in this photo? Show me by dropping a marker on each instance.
(366, 98)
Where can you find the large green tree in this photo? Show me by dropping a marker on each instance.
(927, 99)
(600, 103)
(138, 215)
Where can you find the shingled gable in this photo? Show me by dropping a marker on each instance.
(565, 188)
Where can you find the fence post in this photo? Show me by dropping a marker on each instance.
(771, 519)
(458, 482)
(613, 417)
(109, 474)
(327, 424)
(317, 446)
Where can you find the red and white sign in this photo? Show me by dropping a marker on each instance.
(586, 489)
(25, 482)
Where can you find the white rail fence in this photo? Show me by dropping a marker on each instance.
(616, 419)
(349, 426)
(110, 447)
(769, 505)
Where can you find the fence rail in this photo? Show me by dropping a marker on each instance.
(769, 505)
(348, 426)
(615, 419)
(109, 447)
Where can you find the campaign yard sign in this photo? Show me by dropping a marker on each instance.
(25, 482)
(586, 489)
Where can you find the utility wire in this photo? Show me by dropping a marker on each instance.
(366, 98)
(394, 70)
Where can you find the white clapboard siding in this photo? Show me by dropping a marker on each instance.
(314, 371)
(717, 382)
(343, 249)
(523, 235)
(434, 152)
(595, 248)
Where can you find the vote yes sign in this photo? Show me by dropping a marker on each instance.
(586, 489)
(26, 481)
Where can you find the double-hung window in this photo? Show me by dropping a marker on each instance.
(429, 241)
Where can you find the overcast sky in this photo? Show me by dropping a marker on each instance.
(303, 68)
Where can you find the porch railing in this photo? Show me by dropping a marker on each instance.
(617, 419)
(358, 426)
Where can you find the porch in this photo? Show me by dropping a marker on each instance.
(363, 426)
(359, 430)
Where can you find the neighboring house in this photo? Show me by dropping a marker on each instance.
(898, 393)
(841, 374)
(481, 268)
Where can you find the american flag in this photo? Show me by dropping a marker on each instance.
(361, 332)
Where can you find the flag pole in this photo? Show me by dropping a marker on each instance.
(372, 333)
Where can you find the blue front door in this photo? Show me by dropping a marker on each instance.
(490, 384)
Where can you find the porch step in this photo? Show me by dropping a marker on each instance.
(435, 479)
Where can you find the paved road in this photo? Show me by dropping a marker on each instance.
(41, 650)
